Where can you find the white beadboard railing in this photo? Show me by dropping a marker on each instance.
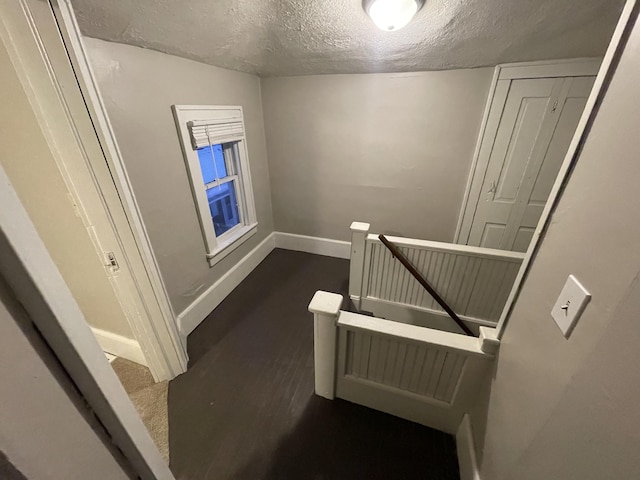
(420, 368)
(474, 281)
(424, 375)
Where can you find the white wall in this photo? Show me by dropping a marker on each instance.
(139, 86)
(32, 169)
(42, 432)
(568, 409)
(393, 150)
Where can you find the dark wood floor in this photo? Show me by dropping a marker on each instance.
(246, 408)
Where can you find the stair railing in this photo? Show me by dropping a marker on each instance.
(425, 284)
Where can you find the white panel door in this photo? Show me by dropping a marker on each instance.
(541, 175)
(529, 103)
(537, 124)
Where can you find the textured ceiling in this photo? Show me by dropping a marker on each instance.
(301, 37)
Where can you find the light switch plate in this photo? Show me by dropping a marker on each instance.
(570, 305)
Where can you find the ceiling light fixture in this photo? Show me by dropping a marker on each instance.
(391, 14)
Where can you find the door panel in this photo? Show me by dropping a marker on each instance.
(567, 124)
(491, 235)
(541, 177)
(520, 145)
(529, 149)
(523, 116)
(523, 238)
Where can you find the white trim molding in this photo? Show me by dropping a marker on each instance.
(202, 306)
(320, 246)
(45, 46)
(226, 124)
(465, 445)
(156, 331)
(571, 67)
(603, 78)
(31, 273)
(119, 346)
(213, 296)
(498, 92)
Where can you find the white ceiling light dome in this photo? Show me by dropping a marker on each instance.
(391, 15)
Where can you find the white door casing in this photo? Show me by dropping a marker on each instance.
(530, 144)
(31, 30)
(605, 73)
(528, 126)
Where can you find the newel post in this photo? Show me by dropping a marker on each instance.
(489, 342)
(325, 307)
(359, 232)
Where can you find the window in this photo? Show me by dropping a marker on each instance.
(214, 147)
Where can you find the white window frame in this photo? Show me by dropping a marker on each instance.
(218, 247)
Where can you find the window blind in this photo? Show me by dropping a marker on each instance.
(211, 132)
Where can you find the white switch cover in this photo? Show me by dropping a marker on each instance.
(570, 305)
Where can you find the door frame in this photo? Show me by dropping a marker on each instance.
(496, 101)
(604, 76)
(34, 279)
(44, 44)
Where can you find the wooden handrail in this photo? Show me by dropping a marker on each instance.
(423, 281)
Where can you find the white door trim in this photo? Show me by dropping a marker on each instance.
(476, 153)
(30, 272)
(603, 79)
(173, 345)
(573, 67)
(42, 62)
(498, 92)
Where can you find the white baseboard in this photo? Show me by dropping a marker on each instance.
(467, 460)
(195, 313)
(319, 246)
(119, 346)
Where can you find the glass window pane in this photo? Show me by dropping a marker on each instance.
(207, 166)
(220, 163)
(223, 207)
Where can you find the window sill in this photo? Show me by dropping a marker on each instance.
(224, 249)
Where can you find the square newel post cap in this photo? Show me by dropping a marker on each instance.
(325, 303)
(489, 342)
(360, 227)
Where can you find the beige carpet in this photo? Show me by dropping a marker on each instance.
(149, 398)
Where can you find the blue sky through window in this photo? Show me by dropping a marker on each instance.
(207, 165)
(223, 206)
